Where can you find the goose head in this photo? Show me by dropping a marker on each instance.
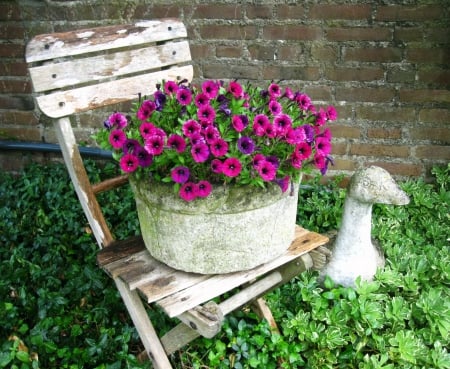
(375, 185)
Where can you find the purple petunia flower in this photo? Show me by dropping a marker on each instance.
(190, 127)
(130, 145)
(211, 133)
(200, 152)
(219, 147)
(189, 191)
(295, 135)
(303, 101)
(204, 189)
(321, 117)
(274, 90)
(259, 124)
(210, 88)
(177, 143)
(236, 89)
(331, 113)
(160, 100)
(117, 138)
(274, 160)
(282, 124)
(275, 107)
(180, 174)
(323, 146)
(170, 87)
(144, 158)
(201, 99)
(303, 150)
(231, 167)
(147, 129)
(283, 183)
(128, 163)
(246, 145)
(309, 132)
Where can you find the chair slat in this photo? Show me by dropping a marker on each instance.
(109, 184)
(57, 45)
(101, 67)
(64, 103)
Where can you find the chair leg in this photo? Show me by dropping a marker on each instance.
(144, 326)
(259, 306)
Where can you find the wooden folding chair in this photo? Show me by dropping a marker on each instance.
(83, 70)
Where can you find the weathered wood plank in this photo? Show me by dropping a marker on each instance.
(109, 184)
(57, 45)
(214, 286)
(118, 251)
(65, 103)
(101, 67)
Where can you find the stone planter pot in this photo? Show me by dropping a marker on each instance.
(235, 228)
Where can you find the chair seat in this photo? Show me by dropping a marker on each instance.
(176, 291)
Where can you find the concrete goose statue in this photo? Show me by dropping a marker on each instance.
(353, 252)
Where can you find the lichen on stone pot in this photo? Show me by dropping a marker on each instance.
(233, 229)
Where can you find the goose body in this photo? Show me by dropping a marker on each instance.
(353, 251)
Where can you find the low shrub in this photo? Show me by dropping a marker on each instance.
(59, 310)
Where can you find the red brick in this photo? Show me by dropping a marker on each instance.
(341, 11)
(397, 75)
(262, 52)
(373, 54)
(437, 35)
(228, 32)
(259, 12)
(437, 77)
(422, 96)
(12, 68)
(11, 32)
(291, 73)
(201, 51)
(21, 133)
(10, 11)
(384, 133)
(430, 134)
(399, 169)
(290, 11)
(319, 93)
(217, 11)
(158, 11)
(15, 86)
(354, 74)
(428, 55)
(339, 147)
(365, 94)
(408, 34)
(292, 32)
(435, 116)
(290, 52)
(359, 34)
(24, 118)
(343, 131)
(229, 71)
(396, 151)
(383, 113)
(432, 152)
(410, 13)
(228, 52)
(343, 164)
(12, 51)
(324, 53)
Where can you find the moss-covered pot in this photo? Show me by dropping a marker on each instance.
(235, 228)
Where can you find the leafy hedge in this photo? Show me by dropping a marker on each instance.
(59, 310)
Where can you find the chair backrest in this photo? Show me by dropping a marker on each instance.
(86, 69)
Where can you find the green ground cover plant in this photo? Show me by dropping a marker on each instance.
(59, 310)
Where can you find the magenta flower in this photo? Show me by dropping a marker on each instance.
(211, 133)
(200, 152)
(189, 191)
(147, 129)
(206, 113)
(327, 134)
(145, 110)
(216, 166)
(269, 130)
(319, 161)
(117, 120)
(331, 113)
(210, 88)
(184, 96)
(201, 99)
(267, 170)
(283, 183)
(289, 93)
(275, 107)
(258, 159)
(197, 138)
(231, 167)
(274, 90)
(321, 117)
(236, 90)
(303, 101)
(170, 87)
(259, 124)
(218, 147)
(295, 135)
(144, 158)
(117, 138)
(180, 174)
(177, 143)
(246, 145)
(282, 124)
(154, 145)
(303, 150)
(130, 145)
(128, 163)
(239, 122)
(190, 127)
(204, 189)
(323, 146)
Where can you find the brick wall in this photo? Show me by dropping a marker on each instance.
(384, 65)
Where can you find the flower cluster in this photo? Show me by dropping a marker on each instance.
(198, 136)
